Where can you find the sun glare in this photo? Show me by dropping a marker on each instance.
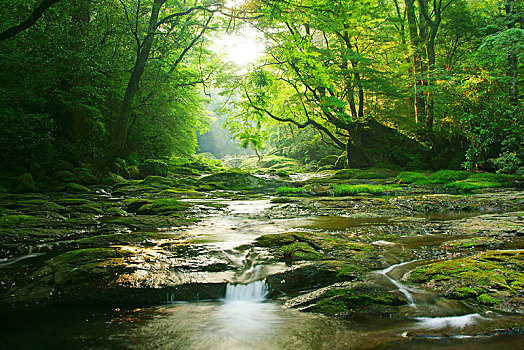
(242, 47)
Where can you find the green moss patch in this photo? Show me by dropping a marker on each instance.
(313, 246)
(164, 206)
(471, 277)
(348, 190)
(342, 300)
(144, 238)
(288, 190)
(472, 242)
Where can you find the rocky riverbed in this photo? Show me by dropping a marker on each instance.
(408, 253)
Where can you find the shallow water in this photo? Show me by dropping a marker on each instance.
(244, 319)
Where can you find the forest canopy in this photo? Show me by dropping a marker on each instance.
(412, 83)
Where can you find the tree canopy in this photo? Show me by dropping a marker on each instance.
(417, 83)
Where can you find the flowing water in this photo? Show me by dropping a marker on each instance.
(246, 319)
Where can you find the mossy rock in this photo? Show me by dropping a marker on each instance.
(142, 238)
(153, 167)
(317, 246)
(23, 221)
(86, 265)
(329, 160)
(150, 222)
(239, 180)
(66, 176)
(497, 271)
(38, 172)
(134, 172)
(25, 183)
(361, 299)
(74, 188)
(85, 176)
(113, 179)
(163, 206)
(472, 243)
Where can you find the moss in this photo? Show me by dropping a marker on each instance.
(81, 265)
(471, 185)
(347, 190)
(472, 242)
(501, 270)
(153, 167)
(124, 238)
(115, 211)
(488, 299)
(40, 204)
(409, 177)
(464, 293)
(288, 190)
(73, 201)
(22, 220)
(368, 175)
(150, 222)
(447, 176)
(340, 300)
(163, 206)
(344, 174)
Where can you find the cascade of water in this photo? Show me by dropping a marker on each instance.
(402, 288)
(254, 292)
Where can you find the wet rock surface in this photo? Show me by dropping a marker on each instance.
(170, 239)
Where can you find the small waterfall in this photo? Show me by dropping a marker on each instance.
(254, 292)
(402, 288)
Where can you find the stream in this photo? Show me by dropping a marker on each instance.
(246, 319)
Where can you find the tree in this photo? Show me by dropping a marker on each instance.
(37, 12)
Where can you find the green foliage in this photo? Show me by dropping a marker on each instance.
(348, 190)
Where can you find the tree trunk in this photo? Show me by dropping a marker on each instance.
(511, 18)
(120, 131)
(418, 63)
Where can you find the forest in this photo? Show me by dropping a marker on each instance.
(422, 85)
(273, 174)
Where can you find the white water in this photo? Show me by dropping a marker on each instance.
(252, 292)
(402, 288)
(443, 322)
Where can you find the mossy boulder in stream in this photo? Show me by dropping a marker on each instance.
(164, 206)
(361, 298)
(239, 180)
(493, 277)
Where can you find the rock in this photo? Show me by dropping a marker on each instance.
(85, 176)
(153, 167)
(113, 179)
(66, 176)
(329, 160)
(25, 183)
(342, 161)
(134, 173)
(237, 180)
(64, 165)
(37, 171)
